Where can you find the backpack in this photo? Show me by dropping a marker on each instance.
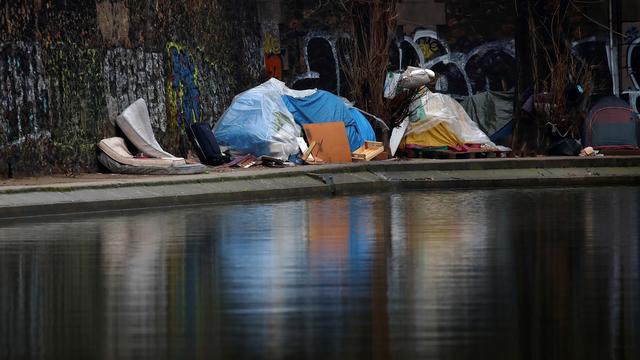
(205, 144)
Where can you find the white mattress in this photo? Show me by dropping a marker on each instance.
(136, 125)
(116, 149)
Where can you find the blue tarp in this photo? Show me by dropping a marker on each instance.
(258, 123)
(326, 107)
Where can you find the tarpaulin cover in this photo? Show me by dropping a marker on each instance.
(322, 107)
(438, 135)
(258, 122)
(492, 110)
(431, 109)
(363, 125)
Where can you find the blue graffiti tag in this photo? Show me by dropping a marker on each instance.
(185, 85)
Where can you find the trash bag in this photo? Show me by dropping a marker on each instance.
(324, 106)
(415, 77)
(258, 122)
(565, 147)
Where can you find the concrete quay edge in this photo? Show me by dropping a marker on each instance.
(314, 181)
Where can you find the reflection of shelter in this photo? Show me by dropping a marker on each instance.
(456, 274)
(328, 227)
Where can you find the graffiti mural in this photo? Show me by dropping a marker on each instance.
(133, 74)
(271, 50)
(24, 100)
(490, 66)
(633, 62)
(430, 45)
(320, 53)
(182, 88)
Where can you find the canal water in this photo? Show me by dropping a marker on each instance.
(467, 274)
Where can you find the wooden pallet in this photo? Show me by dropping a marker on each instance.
(448, 154)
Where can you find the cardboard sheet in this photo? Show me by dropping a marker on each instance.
(333, 144)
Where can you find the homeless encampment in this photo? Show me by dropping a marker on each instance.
(267, 119)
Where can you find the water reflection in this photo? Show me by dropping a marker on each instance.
(500, 274)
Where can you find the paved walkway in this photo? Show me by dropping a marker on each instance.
(98, 193)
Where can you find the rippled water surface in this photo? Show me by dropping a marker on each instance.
(482, 274)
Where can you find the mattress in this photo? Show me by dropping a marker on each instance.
(116, 149)
(136, 125)
(119, 168)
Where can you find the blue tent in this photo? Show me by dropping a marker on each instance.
(322, 107)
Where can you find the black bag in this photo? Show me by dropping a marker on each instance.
(565, 147)
(205, 144)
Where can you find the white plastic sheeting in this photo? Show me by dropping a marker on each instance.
(430, 109)
(258, 122)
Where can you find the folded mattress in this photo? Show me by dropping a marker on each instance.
(116, 149)
(136, 125)
(120, 168)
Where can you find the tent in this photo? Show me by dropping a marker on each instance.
(322, 107)
(258, 122)
(611, 122)
(267, 119)
(438, 120)
(492, 111)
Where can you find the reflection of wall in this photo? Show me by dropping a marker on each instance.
(51, 298)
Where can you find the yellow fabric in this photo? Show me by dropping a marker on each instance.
(438, 135)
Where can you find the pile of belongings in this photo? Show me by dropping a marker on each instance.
(267, 120)
(438, 122)
(152, 159)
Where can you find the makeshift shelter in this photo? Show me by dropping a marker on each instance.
(136, 125)
(257, 122)
(323, 107)
(492, 111)
(438, 120)
(611, 122)
(267, 119)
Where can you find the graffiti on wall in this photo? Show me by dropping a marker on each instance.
(271, 50)
(594, 51)
(490, 66)
(24, 100)
(133, 74)
(320, 53)
(632, 58)
(183, 90)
